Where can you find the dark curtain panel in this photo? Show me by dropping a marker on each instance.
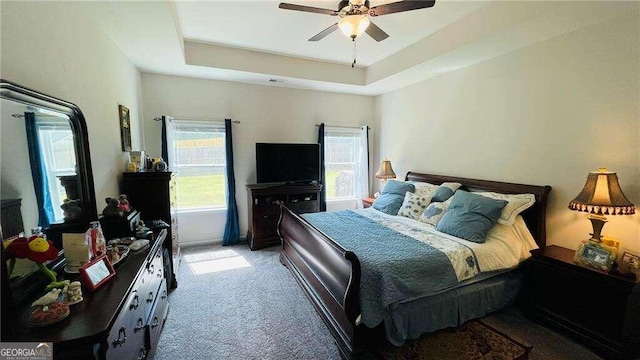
(323, 194)
(165, 146)
(232, 228)
(38, 172)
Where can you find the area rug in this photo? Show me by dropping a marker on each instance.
(474, 340)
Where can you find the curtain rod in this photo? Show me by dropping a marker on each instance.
(346, 127)
(159, 118)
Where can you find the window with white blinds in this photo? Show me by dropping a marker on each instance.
(197, 155)
(346, 163)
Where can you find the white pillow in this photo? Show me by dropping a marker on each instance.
(424, 188)
(516, 203)
(413, 205)
(434, 212)
(516, 237)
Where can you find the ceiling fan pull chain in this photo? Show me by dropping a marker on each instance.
(353, 64)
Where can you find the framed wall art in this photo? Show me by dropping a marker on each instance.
(125, 127)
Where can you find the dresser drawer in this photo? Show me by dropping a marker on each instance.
(127, 336)
(158, 316)
(153, 276)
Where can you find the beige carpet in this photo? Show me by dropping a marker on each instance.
(474, 340)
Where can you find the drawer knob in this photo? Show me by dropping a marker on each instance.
(122, 337)
(140, 325)
(143, 354)
(159, 273)
(164, 294)
(155, 322)
(151, 269)
(150, 298)
(134, 303)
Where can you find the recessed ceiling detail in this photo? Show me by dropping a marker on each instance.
(254, 41)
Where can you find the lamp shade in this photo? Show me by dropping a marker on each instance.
(385, 171)
(353, 25)
(602, 195)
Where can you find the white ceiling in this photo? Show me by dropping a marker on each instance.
(255, 41)
(261, 25)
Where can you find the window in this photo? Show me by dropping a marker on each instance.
(346, 159)
(197, 156)
(56, 143)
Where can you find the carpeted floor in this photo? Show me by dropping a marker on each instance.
(232, 303)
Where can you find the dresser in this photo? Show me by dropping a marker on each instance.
(264, 213)
(601, 309)
(122, 320)
(154, 195)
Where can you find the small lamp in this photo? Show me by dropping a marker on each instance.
(601, 196)
(385, 172)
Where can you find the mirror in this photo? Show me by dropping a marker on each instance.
(45, 173)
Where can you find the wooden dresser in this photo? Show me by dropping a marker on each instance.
(122, 320)
(154, 195)
(599, 308)
(264, 213)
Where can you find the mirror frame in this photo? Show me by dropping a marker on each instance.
(86, 191)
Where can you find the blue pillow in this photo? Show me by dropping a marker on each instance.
(398, 187)
(388, 203)
(470, 216)
(445, 191)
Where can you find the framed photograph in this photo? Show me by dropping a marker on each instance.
(629, 262)
(594, 255)
(96, 273)
(125, 127)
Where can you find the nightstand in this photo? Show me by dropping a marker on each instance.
(599, 308)
(367, 202)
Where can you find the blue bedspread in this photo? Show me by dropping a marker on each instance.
(393, 266)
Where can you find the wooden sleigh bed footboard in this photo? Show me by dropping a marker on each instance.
(328, 273)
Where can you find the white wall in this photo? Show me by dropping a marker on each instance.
(53, 48)
(267, 113)
(544, 115)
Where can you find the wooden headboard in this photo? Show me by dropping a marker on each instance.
(534, 217)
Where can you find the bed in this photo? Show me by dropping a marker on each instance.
(330, 275)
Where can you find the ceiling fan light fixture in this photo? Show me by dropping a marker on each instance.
(353, 25)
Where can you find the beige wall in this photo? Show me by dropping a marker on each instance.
(545, 115)
(267, 113)
(51, 47)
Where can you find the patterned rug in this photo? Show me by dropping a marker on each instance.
(474, 340)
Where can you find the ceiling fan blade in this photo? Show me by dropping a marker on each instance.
(310, 9)
(322, 34)
(400, 6)
(375, 32)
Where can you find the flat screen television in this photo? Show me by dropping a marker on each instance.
(288, 163)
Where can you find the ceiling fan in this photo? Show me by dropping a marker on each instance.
(354, 15)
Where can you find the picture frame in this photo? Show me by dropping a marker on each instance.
(629, 262)
(125, 127)
(96, 273)
(594, 255)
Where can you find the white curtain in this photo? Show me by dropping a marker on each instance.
(362, 167)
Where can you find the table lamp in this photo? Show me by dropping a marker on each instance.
(601, 196)
(385, 172)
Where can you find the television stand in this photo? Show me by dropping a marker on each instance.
(264, 213)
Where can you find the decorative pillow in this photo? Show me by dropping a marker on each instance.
(413, 205)
(397, 187)
(470, 216)
(434, 212)
(516, 203)
(424, 188)
(388, 203)
(445, 191)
